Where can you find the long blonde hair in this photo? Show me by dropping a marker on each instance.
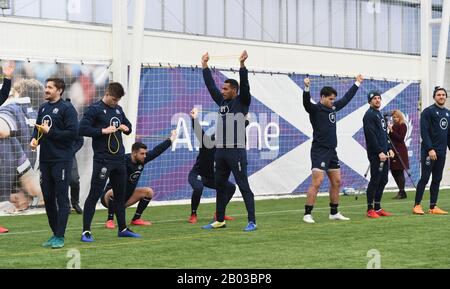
(399, 114)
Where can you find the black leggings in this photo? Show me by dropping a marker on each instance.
(399, 178)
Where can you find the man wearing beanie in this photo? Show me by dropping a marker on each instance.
(378, 152)
(434, 131)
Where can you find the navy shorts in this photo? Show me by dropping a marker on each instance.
(324, 159)
(108, 187)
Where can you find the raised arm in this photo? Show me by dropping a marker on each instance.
(341, 103)
(309, 107)
(209, 81)
(8, 72)
(162, 147)
(198, 131)
(244, 94)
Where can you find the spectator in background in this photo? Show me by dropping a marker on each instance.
(4, 93)
(400, 162)
(17, 119)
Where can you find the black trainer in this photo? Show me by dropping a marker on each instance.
(77, 209)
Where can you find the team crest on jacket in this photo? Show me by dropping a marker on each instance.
(223, 110)
(332, 117)
(115, 122)
(47, 118)
(443, 123)
(135, 176)
(102, 174)
(383, 124)
(55, 110)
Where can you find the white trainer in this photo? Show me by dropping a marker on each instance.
(308, 219)
(338, 216)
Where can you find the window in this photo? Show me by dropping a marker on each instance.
(306, 31)
(215, 24)
(28, 8)
(253, 21)
(234, 13)
(80, 10)
(54, 9)
(195, 16)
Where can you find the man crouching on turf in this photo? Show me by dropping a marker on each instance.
(135, 163)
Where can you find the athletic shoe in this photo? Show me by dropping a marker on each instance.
(383, 213)
(58, 242)
(437, 211)
(3, 230)
(128, 233)
(250, 227)
(308, 219)
(418, 210)
(214, 225)
(140, 222)
(226, 218)
(87, 237)
(398, 196)
(372, 214)
(48, 243)
(338, 216)
(110, 224)
(193, 219)
(77, 209)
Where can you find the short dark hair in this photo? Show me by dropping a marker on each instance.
(115, 89)
(58, 82)
(233, 83)
(327, 91)
(137, 146)
(437, 88)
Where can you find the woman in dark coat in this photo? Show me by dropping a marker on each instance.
(397, 133)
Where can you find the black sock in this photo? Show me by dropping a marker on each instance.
(333, 208)
(193, 212)
(110, 210)
(308, 209)
(369, 207)
(143, 203)
(432, 206)
(416, 204)
(377, 206)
